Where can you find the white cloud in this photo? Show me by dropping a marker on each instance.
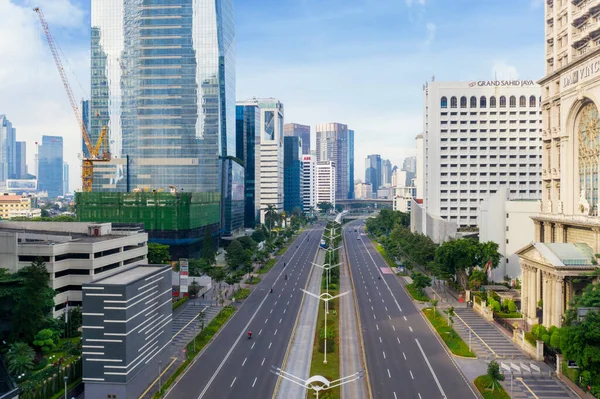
(33, 97)
(409, 3)
(431, 28)
(503, 71)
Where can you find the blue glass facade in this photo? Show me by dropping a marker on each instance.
(85, 117)
(351, 160)
(292, 174)
(20, 159)
(233, 198)
(247, 148)
(50, 166)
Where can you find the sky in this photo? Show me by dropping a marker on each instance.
(358, 62)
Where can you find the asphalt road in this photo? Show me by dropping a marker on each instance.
(234, 366)
(404, 357)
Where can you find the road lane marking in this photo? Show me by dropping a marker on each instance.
(284, 310)
(384, 354)
(271, 311)
(288, 302)
(253, 345)
(529, 389)
(380, 340)
(411, 374)
(374, 316)
(386, 308)
(389, 317)
(254, 383)
(275, 303)
(410, 328)
(266, 320)
(244, 362)
(420, 396)
(377, 326)
(403, 354)
(263, 362)
(260, 332)
(388, 370)
(398, 339)
(430, 368)
(395, 397)
(404, 318)
(280, 321)
(270, 343)
(232, 382)
(393, 327)
(275, 332)
(372, 308)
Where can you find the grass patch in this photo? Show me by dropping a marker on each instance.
(417, 294)
(242, 294)
(180, 302)
(385, 255)
(508, 315)
(449, 336)
(268, 266)
(254, 281)
(483, 382)
(284, 248)
(203, 338)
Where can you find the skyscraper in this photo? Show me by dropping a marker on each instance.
(351, 161)
(410, 164)
(386, 172)
(309, 182)
(7, 149)
(297, 130)
(247, 121)
(271, 151)
(333, 145)
(373, 171)
(163, 82)
(325, 187)
(20, 159)
(65, 178)
(50, 166)
(85, 117)
(292, 174)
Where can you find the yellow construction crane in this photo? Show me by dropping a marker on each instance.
(95, 155)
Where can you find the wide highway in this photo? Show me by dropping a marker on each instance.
(233, 366)
(404, 357)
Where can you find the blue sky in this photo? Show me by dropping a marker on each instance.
(359, 62)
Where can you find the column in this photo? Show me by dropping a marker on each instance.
(560, 232)
(538, 286)
(537, 226)
(596, 231)
(551, 299)
(548, 232)
(545, 300)
(533, 294)
(558, 300)
(524, 290)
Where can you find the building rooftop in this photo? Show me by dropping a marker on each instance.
(126, 276)
(566, 254)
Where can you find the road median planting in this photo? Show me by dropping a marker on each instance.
(483, 384)
(450, 337)
(417, 294)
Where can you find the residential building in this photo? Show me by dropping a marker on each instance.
(567, 227)
(298, 130)
(12, 205)
(309, 182)
(292, 174)
(127, 319)
(271, 152)
(351, 161)
(410, 164)
(386, 172)
(7, 149)
(74, 253)
(479, 137)
(399, 177)
(403, 198)
(20, 160)
(373, 172)
(50, 166)
(508, 223)
(248, 138)
(326, 178)
(333, 144)
(363, 190)
(65, 178)
(420, 174)
(384, 192)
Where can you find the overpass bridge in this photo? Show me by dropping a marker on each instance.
(364, 203)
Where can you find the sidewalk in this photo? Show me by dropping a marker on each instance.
(299, 353)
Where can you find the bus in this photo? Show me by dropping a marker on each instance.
(322, 244)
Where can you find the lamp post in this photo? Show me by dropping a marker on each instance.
(317, 383)
(66, 378)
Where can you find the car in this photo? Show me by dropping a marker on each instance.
(358, 237)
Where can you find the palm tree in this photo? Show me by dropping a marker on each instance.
(19, 358)
(271, 216)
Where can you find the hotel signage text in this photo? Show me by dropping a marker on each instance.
(515, 83)
(582, 73)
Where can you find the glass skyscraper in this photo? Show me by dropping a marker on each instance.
(351, 161)
(292, 174)
(50, 166)
(163, 82)
(7, 149)
(248, 150)
(298, 130)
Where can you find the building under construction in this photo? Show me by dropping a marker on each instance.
(177, 219)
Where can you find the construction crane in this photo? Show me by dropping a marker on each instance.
(95, 155)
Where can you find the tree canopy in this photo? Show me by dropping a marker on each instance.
(208, 247)
(158, 254)
(325, 206)
(458, 257)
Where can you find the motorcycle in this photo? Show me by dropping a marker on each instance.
(249, 334)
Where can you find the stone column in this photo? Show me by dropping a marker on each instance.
(560, 232)
(548, 232)
(545, 300)
(533, 294)
(558, 300)
(552, 300)
(538, 286)
(596, 231)
(537, 226)
(524, 290)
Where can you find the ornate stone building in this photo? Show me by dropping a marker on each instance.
(567, 229)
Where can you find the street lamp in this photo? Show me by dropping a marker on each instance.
(327, 267)
(317, 383)
(66, 378)
(326, 297)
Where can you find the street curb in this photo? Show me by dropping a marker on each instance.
(360, 337)
(287, 352)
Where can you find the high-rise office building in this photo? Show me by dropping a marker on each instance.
(7, 149)
(271, 152)
(351, 161)
(247, 121)
(50, 166)
(20, 159)
(410, 164)
(163, 83)
(65, 178)
(325, 182)
(479, 136)
(373, 172)
(309, 182)
(386, 172)
(333, 145)
(298, 130)
(292, 174)
(85, 118)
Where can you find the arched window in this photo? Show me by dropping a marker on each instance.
(513, 101)
(444, 102)
(473, 102)
(522, 101)
(532, 101)
(492, 102)
(502, 102)
(453, 102)
(463, 102)
(589, 145)
(482, 102)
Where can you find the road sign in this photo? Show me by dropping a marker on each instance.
(183, 275)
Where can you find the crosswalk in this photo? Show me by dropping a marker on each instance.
(540, 387)
(183, 331)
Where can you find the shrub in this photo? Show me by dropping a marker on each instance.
(512, 306)
(586, 378)
(531, 338)
(555, 339)
(494, 305)
(45, 340)
(242, 294)
(538, 330)
(546, 338)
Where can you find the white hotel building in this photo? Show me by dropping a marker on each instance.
(309, 182)
(477, 137)
(325, 182)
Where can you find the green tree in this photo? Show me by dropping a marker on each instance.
(339, 208)
(35, 302)
(193, 289)
(477, 278)
(420, 281)
(494, 374)
(455, 257)
(324, 206)
(158, 254)
(271, 217)
(248, 243)
(45, 212)
(235, 255)
(19, 358)
(45, 340)
(218, 274)
(258, 235)
(198, 267)
(580, 341)
(208, 247)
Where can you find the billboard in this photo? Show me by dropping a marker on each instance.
(183, 275)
